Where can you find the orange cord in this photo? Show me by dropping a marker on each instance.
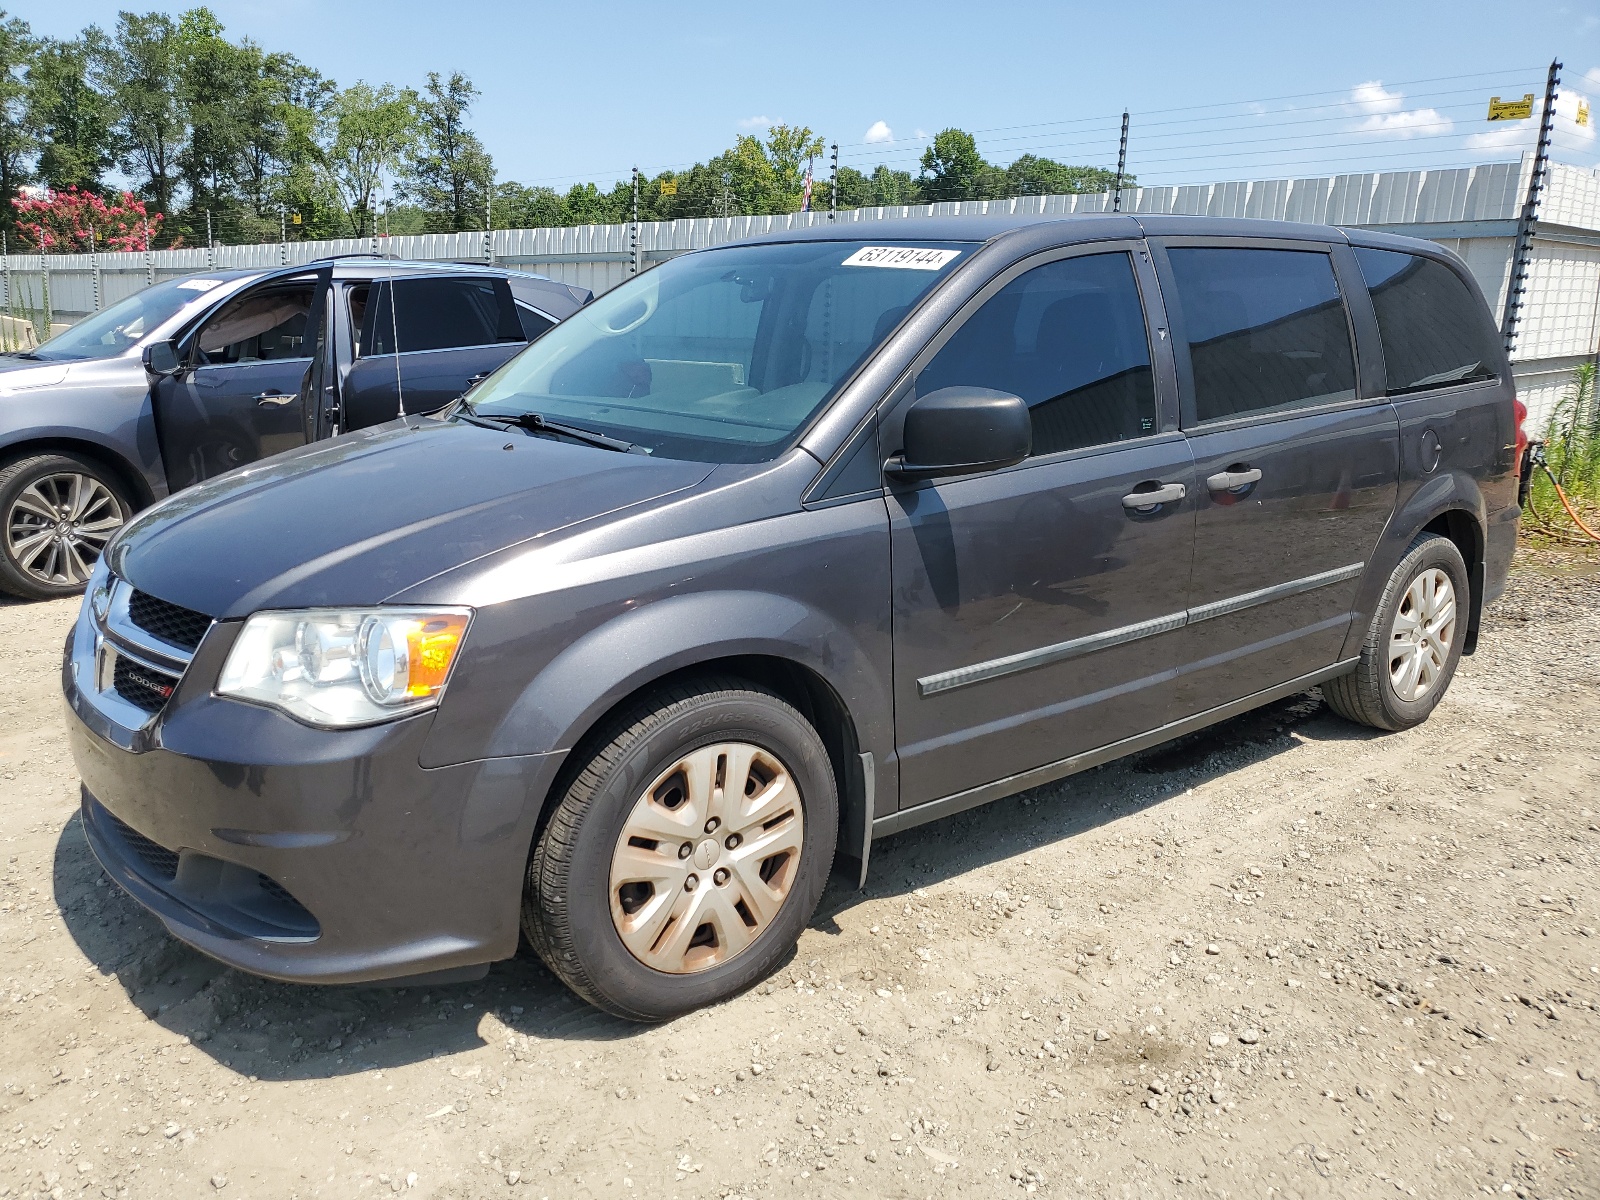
(1567, 504)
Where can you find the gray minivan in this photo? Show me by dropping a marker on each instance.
(774, 550)
(195, 376)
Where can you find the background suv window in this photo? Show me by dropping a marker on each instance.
(435, 314)
(259, 326)
(1069, 338)
(1266, 330)
(1434, 331)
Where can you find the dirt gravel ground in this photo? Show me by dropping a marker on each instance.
(1287, 957)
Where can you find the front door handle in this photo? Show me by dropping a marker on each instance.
(1227, 481)
(1166, 493)
(274, 399)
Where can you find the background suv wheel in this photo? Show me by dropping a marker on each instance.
(57, 512)
(686, 856)
(1413, 642)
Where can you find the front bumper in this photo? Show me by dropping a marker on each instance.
(302, 854)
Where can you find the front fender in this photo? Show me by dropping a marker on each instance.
(587, 678)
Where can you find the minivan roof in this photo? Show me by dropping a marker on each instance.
(1084, 227)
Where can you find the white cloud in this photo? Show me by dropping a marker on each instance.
(921, 133)
(878, 131)
(756, 122)
(1384, 112)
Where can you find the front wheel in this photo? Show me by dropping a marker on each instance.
(687, 855)
(57, 512)
(1413, 643)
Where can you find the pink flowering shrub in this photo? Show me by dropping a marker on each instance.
(65, 222)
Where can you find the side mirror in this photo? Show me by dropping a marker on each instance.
(961, 431)
(161, 359)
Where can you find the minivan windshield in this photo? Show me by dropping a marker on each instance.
(721, 355)
(109, 333)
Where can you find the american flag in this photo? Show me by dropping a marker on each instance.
(805, 197)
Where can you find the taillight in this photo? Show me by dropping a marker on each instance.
(1520, 410)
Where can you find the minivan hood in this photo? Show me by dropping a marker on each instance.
(354, 520)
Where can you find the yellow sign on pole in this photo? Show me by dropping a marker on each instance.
(294, 218)
(669, 187)
(1511, 110)
(1583, 113)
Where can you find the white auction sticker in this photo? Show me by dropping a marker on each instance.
(905, 258)
(199, 285)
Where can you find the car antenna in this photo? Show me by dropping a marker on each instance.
(394, 329)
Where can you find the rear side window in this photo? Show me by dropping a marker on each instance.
(436, 314)
(533, 323)
(1435, 332)
(1069, 338)
(1267, 330)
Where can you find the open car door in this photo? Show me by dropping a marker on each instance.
(241, 393)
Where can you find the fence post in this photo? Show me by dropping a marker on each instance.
(149, 265)
(1522, 247)
(633, 228)
(44, 283)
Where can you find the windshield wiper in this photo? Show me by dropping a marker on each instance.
(27, 354)
(537, 423)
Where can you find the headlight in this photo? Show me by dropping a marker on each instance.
(341, 668)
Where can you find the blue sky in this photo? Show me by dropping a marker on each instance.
(584, 91)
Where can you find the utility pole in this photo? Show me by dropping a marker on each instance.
(1122, 164)
(633, 259)
(833, 183)
(1522, 248)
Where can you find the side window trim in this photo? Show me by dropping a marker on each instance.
(1157, 327)
(1179, 332)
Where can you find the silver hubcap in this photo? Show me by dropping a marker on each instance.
(58, 526)
(1424, 628)
(706, 858)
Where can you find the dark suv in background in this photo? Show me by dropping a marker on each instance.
(778, 548)
(195, 376)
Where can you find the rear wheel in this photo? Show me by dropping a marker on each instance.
(57, 513)
(685, 858)
(1414, 641)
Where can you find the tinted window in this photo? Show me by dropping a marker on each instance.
(1266, 330)
(533, 324)
(258, 326)
(1435, 332)
(436, 314)
(1069, 338)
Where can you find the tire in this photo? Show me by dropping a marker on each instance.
(650, 951)
(1380, 692)
(39, 561)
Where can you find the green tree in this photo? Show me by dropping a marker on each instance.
(70, 116)
(520, 207)
(1033, 176)
(216, 81)
(450, 173)
(367, 132)
(140, 68)
(952, 168)
(17, 141)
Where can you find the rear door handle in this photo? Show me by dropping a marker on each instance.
(1227, 481)
(1166, 493)
(273, 399)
